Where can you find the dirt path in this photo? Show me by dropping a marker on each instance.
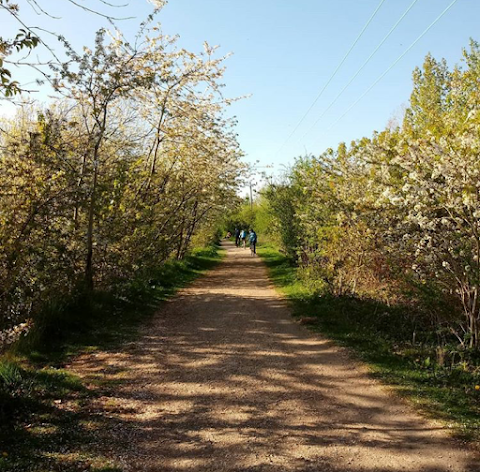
(224, 380)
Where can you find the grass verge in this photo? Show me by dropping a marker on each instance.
(374, 332)
(47, 422)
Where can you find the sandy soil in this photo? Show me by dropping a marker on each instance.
(223, 379)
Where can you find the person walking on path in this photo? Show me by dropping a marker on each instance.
(243, 238)
(253, 242)
(237, 236)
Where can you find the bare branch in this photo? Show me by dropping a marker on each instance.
(108, 17)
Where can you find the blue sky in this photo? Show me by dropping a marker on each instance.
(284, 52)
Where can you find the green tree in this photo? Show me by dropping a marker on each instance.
(428, 101)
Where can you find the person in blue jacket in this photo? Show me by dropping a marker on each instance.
(243, 238)
(253, 241)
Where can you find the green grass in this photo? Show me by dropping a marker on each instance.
(105, 319)
(46, 418)
(381, 336)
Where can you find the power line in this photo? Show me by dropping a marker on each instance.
(394, 27)
(333, 75)
(393, 65)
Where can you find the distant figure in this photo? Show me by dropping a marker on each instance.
(243, 238)
(237, 237)
(228, 235)
(253, 242)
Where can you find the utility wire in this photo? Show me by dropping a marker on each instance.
(394, 27)
(393, 65)
(333, 75)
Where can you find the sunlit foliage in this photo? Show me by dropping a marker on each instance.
(397, 215)
(115, 178)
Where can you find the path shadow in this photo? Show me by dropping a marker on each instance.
(224, 380)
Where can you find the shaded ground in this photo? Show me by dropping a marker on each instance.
(224, 380)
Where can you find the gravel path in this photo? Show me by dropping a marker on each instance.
(223, 379)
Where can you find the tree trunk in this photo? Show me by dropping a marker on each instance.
(91, 215)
